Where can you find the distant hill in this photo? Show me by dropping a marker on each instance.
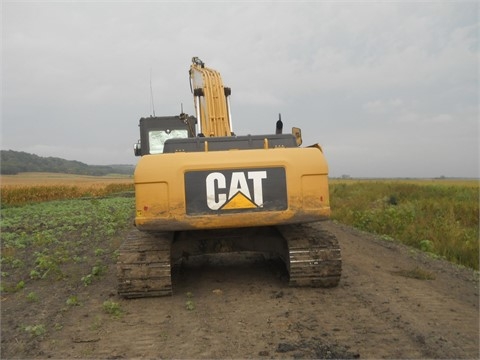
(14, 162)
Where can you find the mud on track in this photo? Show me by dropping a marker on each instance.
(241, 307)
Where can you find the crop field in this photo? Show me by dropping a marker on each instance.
(41, 212)
(43, 240)
(38, 178)
(50, 221)
(37, 187)
(440, 217)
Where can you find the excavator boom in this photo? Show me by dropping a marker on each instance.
(211, 100)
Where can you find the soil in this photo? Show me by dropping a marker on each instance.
(392, 302)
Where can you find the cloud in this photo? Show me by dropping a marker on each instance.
(383, 106)
(375, 83)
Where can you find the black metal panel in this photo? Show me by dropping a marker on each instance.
(228, 143)
(235, 190)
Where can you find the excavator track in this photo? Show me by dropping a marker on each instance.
(314, 257)
(311, 254)
(143, 267)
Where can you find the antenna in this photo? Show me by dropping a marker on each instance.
(151, 94)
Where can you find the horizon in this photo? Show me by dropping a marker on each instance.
(340, 177)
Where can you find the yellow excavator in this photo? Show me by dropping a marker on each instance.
(201, 189)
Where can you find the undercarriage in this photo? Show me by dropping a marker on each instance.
(310, 253)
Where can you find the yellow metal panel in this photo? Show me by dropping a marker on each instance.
(152, 200)
(160, 186)
(314, 191)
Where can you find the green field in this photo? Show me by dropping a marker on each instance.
(55, 240)
(437, 216)
(52, 225)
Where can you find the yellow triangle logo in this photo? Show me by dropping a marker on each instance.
(239, 201)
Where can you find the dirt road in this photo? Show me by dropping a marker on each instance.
(392, 302)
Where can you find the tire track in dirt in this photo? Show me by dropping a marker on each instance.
(441, 314)
(247, 310)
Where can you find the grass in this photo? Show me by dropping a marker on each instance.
(72, 301)
(112, 308)
(439, 217)
(35, 330)
(51, 240)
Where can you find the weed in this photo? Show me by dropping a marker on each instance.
(112, 308)
(20, 285)
(17, 263)
(426, 246)
(12, 287)
(416, 273)
(97, 271)
(34, 274)
(441, 218)
(48, 263)
(96, 324)
(116, 254)
(392, 200)
(189, 304)
(72, 301)
(35, 330)
(32, 296)
(78, 259)
(387, 237)
(87, 279)
(99, 252)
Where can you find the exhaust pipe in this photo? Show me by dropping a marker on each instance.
(279, 127)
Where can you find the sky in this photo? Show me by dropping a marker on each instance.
(388, 89)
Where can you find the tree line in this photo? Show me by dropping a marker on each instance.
(14, 162)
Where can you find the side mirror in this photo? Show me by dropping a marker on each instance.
(137, 149)
(298, 135)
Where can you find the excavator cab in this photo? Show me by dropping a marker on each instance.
(155, 131)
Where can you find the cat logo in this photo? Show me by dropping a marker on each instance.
(239, 196)
(238, 190)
